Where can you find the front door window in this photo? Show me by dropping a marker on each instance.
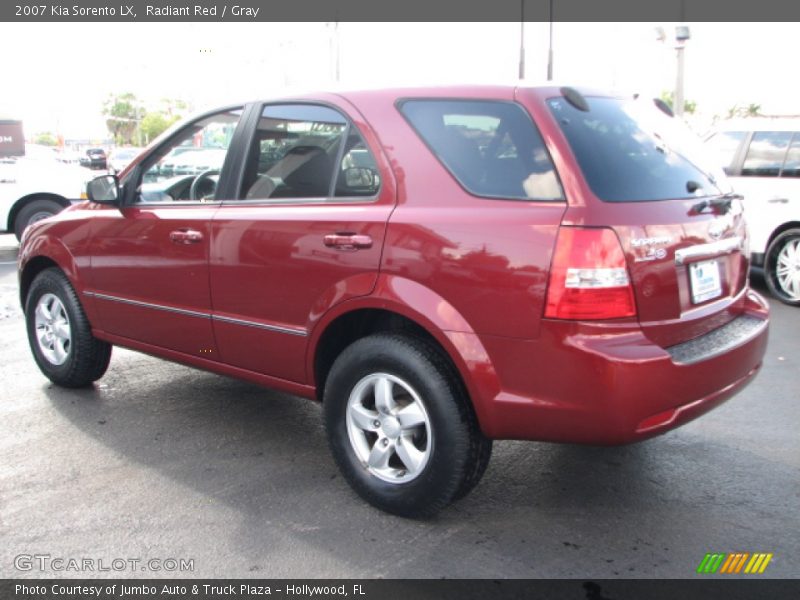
(187, 168)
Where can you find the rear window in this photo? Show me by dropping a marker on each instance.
(630, 151)
(491, 148)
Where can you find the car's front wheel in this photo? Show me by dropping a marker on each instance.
(782, 267)
(59, 333)
(400, 426)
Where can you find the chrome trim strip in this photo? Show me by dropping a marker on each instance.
(180, 311)
(709, 250)
(194, 313)
(278, 328)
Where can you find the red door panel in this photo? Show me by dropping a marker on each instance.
(149, 275)
(272, 275)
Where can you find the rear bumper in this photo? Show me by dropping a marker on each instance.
(608, 384)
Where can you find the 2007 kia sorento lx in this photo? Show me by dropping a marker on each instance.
(439, 267)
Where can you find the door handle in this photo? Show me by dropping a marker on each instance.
(347, 241)
(185, 236)
(778, 200)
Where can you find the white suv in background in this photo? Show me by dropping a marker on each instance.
(762, 159)
(36, 186)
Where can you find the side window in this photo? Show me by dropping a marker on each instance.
(298, 152)
(492, 148)
(187, 167)
(725, 146)
(791, 166)
(766, 153)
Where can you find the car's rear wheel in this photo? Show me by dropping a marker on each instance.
(782, 267)
(60, 335)
(400, 426)
(33, 211)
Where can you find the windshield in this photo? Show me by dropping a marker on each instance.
(631, 151)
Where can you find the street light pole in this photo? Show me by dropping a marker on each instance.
(681, 35)
(678, 104)
(336, 49)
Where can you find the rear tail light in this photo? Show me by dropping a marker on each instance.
(589, 278)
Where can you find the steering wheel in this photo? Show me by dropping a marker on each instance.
(195, 187)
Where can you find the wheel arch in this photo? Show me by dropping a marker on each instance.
(780, 229)
(35, 266)
(41, 253)
(399, 304)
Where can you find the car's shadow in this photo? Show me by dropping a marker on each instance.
(213, 433)
(264, 455)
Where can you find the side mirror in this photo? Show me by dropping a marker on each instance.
(104, 190)
(361, 178)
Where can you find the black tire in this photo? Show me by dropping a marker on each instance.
(33, 211)
(776, 253)
(457, 452)
(482, 454)
(87, 357)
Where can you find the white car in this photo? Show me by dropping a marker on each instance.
(762, 160)
(120, 158)
(37, 186)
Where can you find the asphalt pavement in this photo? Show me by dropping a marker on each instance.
(162, 462)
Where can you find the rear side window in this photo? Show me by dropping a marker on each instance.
(308, 151)
(491, 148)
(766, 153)
(630, 151)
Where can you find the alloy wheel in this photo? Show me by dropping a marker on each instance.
(787, 268)
(53, 332)
(389, 428)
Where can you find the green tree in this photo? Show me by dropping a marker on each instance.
(173, 107)
(122, 112)
(45, 139)
(754, 110)
(689, 106)
(744, 111)
(155, 123)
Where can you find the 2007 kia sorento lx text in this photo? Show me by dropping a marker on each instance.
(439, 267)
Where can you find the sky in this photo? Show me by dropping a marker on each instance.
(64, 72)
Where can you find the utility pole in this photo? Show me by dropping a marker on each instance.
(550, 48)
(338, 55)
(522, 39)
(681, 35)
(334, 49)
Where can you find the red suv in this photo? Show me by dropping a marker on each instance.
(439, 267)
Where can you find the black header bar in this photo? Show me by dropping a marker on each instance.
(397, 10)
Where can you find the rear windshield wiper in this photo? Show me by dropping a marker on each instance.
(721, 203)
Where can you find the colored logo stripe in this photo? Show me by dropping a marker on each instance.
(734, 562)
(710, 563)
(758, 564)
